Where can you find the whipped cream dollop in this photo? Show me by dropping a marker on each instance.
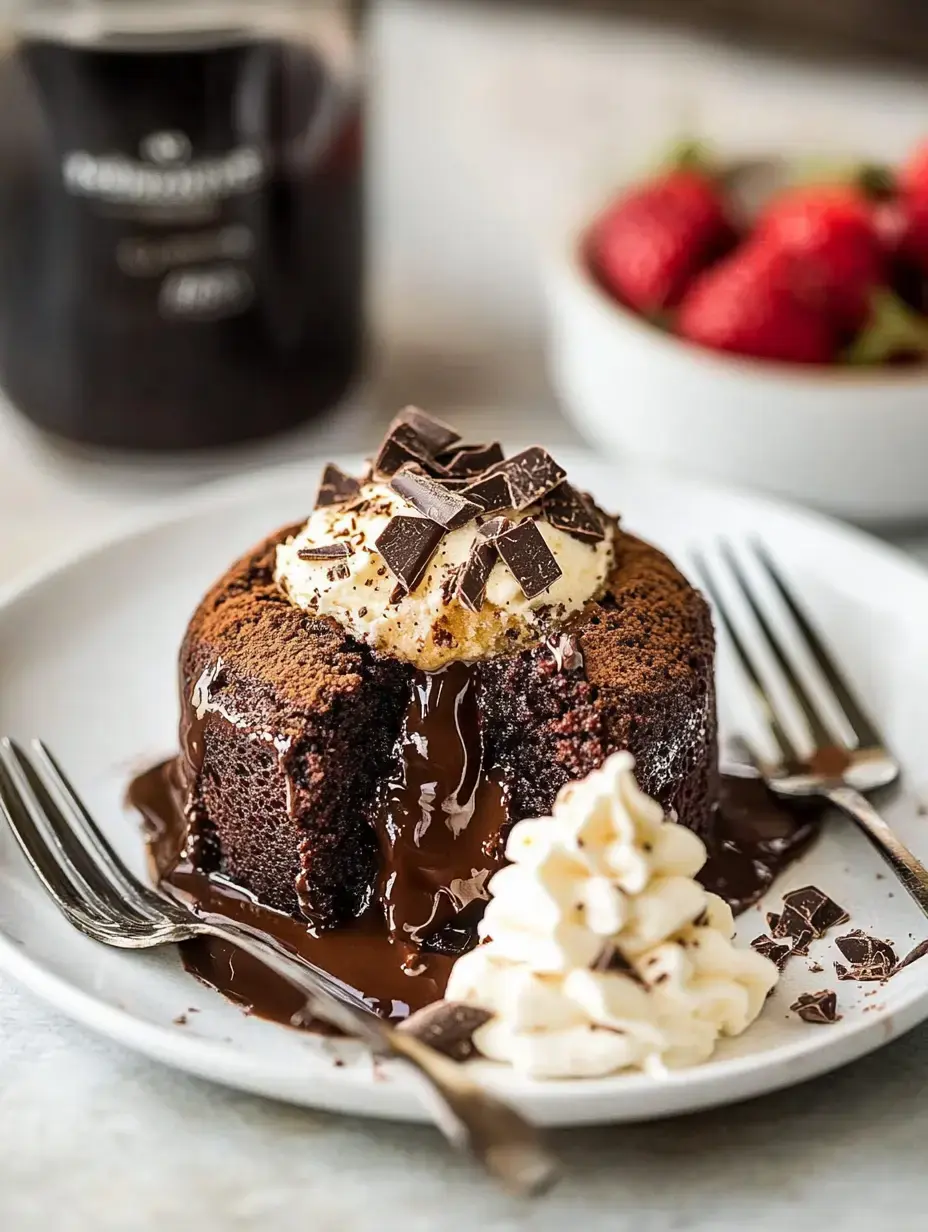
(429, 625)
(601, 952)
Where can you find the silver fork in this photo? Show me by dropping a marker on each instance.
(842, 760)
(102, 898)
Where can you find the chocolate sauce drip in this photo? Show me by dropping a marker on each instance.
(443, 815)
(757, 839)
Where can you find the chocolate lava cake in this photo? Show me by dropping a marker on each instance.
(317, 766)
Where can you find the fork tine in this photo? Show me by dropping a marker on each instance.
(821, 733)
(110, 866)
(46, 824)
(47, 863)
(785, 744)
(866, 733)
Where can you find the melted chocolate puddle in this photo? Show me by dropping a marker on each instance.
(439, 824)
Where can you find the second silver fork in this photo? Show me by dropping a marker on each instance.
(841, 760)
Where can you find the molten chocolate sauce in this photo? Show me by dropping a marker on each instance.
(440, 823)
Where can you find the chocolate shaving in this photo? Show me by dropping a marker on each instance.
(467, 460)
(768, 947)
(528, 556)
(491, 493)
(436, 436)
(448, 1027)
(817, 1007)
(532, 474)
(437, 502)
(808, 909)
(575, 514)
(472, 579)
(612, 959)
(335, 487)
(869, 957)
(407, 545)
(327, 551)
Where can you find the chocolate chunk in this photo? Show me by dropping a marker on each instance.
(808, 909)
(403, 444)
(494, 527)
(801, 944)
(566, 652)
(532, 474)
(407, 544)
(436, 436)
(448, 1027)
(438, 503)
(818, 1007)
(768, 947)
(574, 513)
(773, 919)
(472, 579)
(870, 958)
(335, 487)
(491, 493)
(472, 459)
(327, 551)
(532, 562)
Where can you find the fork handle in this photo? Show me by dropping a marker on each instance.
(508, 1146)
(908, 868)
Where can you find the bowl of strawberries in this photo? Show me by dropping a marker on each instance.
(756, 323)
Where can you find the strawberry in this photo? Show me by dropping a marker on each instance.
(911, 210)
(832, 229)
(651, 243)
(754, 303)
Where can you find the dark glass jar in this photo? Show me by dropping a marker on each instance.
(180, 219)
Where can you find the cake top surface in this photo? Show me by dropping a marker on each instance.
(446, 551)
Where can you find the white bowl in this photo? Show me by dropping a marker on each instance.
(850, 441)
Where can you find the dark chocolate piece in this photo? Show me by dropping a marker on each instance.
(572, 512)
(566, 652)
(470, 460)
(773, 919)
(801, 944)
(817, 1007)
(436, 436)
(494, 527)
(472, 579)
(808, 909)
(335, 487)
(326, 551)
(448, 1027)
(768, 947)
(869, 957)
(491, 493)
(403, 444)
(449, 509)
(532, 474)
(407, 545)
(531, 561)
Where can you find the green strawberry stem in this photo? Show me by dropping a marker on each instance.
(894, 329)
(875, 181)
(687, 154)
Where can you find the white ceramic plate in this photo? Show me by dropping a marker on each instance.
(87, 659)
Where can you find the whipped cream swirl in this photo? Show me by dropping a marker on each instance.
(429, 626)
(601, 951)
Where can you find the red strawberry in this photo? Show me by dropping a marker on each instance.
(832, 230)
(910, 210)
(752, 303)
(651, 243)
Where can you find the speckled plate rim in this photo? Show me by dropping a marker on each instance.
(390, 1093)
